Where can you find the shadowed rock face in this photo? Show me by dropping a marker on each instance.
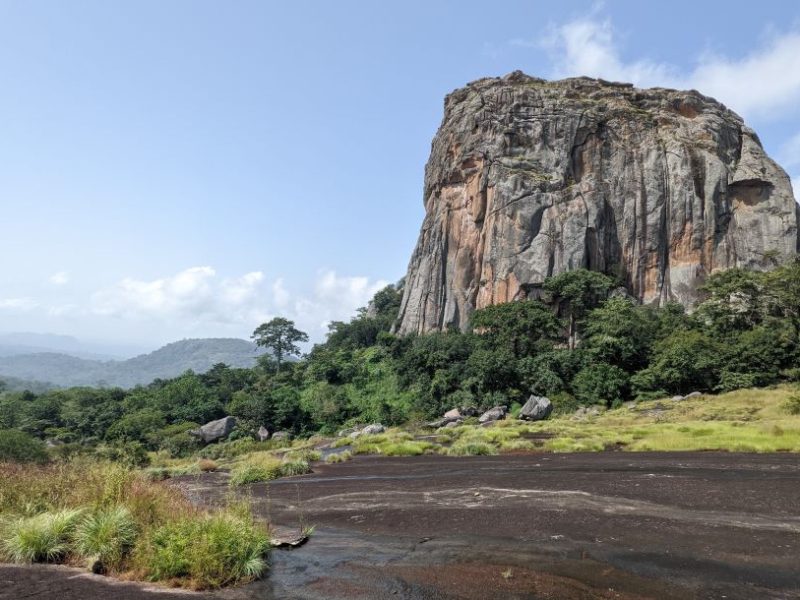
(529, 178)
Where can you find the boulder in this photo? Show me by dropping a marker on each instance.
(692, 395)
(215, 430)
(493, 414)
(676, 398)
(373, 429)
(368, 430)
(452, 414)
(263, 434)
(281, 436)
(536, 409)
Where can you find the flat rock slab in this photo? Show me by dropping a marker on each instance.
(658, 526)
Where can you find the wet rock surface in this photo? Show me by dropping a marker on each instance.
(685, 526)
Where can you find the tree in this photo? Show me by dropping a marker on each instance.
(523, 328)
(280, 337)
(577, 292)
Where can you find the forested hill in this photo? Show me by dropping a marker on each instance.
(199, 355)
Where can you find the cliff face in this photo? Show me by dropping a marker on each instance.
(529, 178)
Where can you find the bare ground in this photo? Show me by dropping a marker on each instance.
(568, 526)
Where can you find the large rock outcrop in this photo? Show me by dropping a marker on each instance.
(529, 178)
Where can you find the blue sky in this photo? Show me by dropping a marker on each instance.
(191, 168)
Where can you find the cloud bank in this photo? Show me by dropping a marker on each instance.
(199, 296)
(588, 46)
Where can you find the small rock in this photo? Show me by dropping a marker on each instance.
(493, 414)
(288, 538)
(281, 436)
(676, 398)
(452, 424)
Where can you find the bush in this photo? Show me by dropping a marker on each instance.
(601, 383)
(106, 536)
(207, 465)
(792, 405)
(19, 446)
(41, 538)
(211, 551)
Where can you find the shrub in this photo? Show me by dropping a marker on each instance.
(792, 405)
(600, 383)
(207, 465)
(43, 537)
(19, 446)
(210, 550)
(106, 536)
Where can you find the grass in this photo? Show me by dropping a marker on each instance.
(44, 537)
(391, 443)
(121, 520)
(339, 457)
(263, 466)
(754, 420)
(468, 447)
(105, 537)
(215, 549)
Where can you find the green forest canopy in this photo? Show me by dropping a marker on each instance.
(581, 344)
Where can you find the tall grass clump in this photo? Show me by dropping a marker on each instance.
(119, 520)
(105, 537)
(41, 538)
(260, 466)
(471, 448)
(208, 551)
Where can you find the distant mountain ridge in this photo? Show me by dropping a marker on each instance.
(65, 370)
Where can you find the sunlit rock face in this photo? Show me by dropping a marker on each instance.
(529, 178)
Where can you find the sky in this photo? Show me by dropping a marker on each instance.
(192, 168)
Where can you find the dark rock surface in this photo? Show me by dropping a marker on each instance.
(529, 178)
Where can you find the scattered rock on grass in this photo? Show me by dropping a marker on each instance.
(493, 414)
(215, 430)
(536, 408)
(281, 436)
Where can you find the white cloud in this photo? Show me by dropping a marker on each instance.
(198, 298)
(60, 278)
(18, 304)
(333, 298)
(195, 294)
(764, 81)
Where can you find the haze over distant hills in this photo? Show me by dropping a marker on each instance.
(30, 343)
(65, 369)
